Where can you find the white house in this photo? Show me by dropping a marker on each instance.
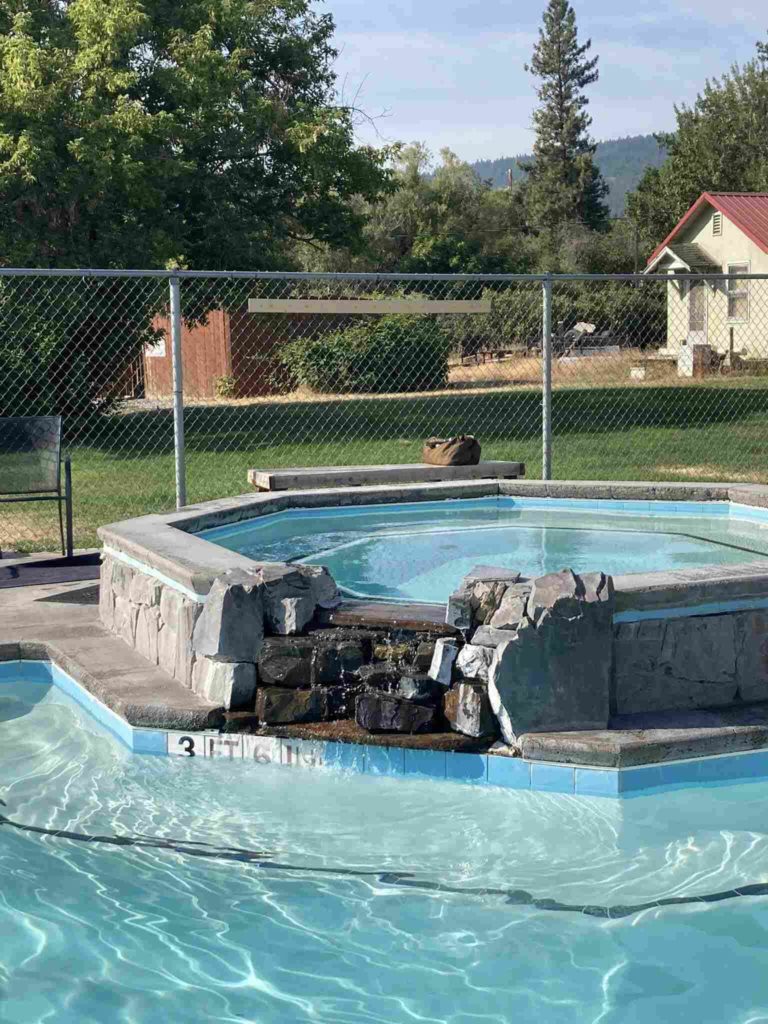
(722, 233)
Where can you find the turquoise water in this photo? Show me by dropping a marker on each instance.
(142, 890)
(420, 551)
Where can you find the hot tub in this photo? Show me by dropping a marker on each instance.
(418, 551)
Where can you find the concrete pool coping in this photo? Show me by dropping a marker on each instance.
(168, 546)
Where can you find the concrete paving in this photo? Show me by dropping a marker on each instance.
(59, 622)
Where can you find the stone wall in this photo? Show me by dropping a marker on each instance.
(690, 663)
(527, 656)
(212, 647)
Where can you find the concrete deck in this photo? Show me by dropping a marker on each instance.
(60, 622)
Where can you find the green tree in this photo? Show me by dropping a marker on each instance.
(439, 220)
(140, 132)
(720, 145)
(563, 186)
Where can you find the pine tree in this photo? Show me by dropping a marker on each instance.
(564, 184)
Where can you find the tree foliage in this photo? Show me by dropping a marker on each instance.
(438, 220)
(720, 145)
(194, 132)
(563, 183)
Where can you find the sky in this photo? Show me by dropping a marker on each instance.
(450, 72)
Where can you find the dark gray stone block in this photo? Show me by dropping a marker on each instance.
(382, 713)
(340, 700)
(420, 688)
(285, 661)
(752, 655)
(423, 658)
(276, 706)
(382, 676)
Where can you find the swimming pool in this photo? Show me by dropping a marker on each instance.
(420, 551)
(145, 889)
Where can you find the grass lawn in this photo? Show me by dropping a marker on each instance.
(123, 465)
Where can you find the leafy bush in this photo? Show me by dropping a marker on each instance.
(225, 386)
(386, 354)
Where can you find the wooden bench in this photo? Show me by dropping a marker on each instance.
(366, 476)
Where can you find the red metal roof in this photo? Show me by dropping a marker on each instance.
(747, 210)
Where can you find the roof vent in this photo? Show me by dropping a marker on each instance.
(717, 224)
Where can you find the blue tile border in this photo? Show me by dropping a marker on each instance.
(510, 772)
(384, 761)
(466, 767)
(553, 778)
(425, 762)
(496, 770)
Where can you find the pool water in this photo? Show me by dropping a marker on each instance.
(421, 551)
(149, 889)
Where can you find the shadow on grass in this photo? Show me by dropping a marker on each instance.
(493, 417)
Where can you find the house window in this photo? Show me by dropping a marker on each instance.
(738, 293)
(717, 224)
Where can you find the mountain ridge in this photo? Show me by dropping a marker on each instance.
(623, 162)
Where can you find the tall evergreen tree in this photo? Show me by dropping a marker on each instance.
(564, 184)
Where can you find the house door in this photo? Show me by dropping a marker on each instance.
(697, 313)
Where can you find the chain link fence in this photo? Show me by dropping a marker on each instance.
(658, 377)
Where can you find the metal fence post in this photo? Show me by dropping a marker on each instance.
(546, 382)
(178, 394)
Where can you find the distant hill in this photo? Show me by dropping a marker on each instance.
(622, 162)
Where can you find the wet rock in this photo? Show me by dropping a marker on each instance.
(420, 688)
(286, 662)
(380, 676)
(474, 661)
(467, 707)
(326, 664)
(395, 651)
(361, 638)
(240, 721)
(231, 625)
(554, 671)
(423, 658)
(340, 700)
(443, 659)
(352, 657)
(383, 713)
(276, 706)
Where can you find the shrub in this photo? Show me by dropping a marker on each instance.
(225, 386)
(386, 354)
